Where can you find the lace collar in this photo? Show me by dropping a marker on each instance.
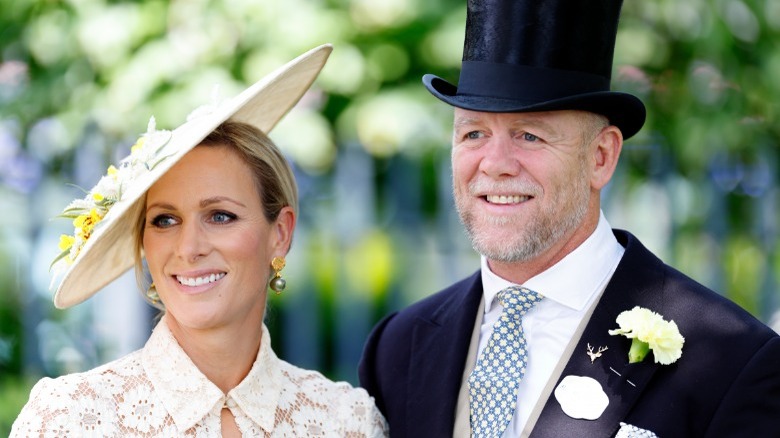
(189, 396)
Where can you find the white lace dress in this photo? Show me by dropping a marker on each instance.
(158, 392)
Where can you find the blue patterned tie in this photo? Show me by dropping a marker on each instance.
(501, 366)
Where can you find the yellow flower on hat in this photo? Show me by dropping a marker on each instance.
(66, 242)
(85, 223)
(649, 331)
(134, 149)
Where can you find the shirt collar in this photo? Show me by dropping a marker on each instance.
(575, 278)
(189, 396)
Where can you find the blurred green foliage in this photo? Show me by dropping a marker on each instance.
(15, 392)
(88, 73)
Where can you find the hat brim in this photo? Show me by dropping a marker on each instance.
(109, 252)
(623, 110)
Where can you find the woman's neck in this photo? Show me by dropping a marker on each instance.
(224, 355)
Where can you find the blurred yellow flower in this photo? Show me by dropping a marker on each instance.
(134, 149)
(66, 242)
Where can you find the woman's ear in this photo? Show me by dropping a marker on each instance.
(605, 154)
(282, 232)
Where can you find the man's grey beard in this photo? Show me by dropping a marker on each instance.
(539, 235)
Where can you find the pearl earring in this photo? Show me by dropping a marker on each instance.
(277, 283)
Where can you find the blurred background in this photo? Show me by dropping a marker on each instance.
(79, 80)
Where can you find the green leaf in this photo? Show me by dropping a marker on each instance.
(59, 257)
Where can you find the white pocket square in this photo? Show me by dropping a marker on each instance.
(629, 431)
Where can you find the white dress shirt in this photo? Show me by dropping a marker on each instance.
(569, 288)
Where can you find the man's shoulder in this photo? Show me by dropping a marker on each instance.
(431, 309)
(716, 315)
(450, 297)
(689, 302)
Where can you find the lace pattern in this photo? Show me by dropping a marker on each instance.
(158, 391)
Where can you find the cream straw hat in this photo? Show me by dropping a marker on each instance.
(102, 247)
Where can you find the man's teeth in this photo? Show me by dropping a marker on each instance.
(503, 199)
(197, 281)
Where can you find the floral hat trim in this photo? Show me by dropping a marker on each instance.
(88, 213)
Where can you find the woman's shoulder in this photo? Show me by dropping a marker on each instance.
(89, 395)
(311, 381)
(351, 406)
(125, 367)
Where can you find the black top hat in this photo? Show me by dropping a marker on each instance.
(541, 55)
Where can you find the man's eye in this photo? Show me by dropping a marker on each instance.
(527, 136)
(163, 221)
(473, 135)
(222, 217)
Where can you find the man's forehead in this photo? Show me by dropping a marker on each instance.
(543, 118)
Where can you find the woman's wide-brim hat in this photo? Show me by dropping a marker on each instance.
(532, 55)
(103, 245)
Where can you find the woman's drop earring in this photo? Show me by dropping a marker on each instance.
(277, 283)
(151, 293)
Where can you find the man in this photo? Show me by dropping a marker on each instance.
(537, 135)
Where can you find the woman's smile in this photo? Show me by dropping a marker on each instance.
(197, 281)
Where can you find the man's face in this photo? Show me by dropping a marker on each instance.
(521, 180)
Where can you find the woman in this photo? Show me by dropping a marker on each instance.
(213, 206)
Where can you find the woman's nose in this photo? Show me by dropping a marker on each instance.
(192, 243)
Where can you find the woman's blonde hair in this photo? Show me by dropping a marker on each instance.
(272, 173)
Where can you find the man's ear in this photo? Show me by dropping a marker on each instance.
(605, 151)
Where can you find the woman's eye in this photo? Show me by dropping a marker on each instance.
(163, 221)
(222, 217)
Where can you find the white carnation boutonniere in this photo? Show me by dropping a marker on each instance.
(649, 331)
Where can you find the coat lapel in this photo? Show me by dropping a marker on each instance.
(440, 345)
(636, 282)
